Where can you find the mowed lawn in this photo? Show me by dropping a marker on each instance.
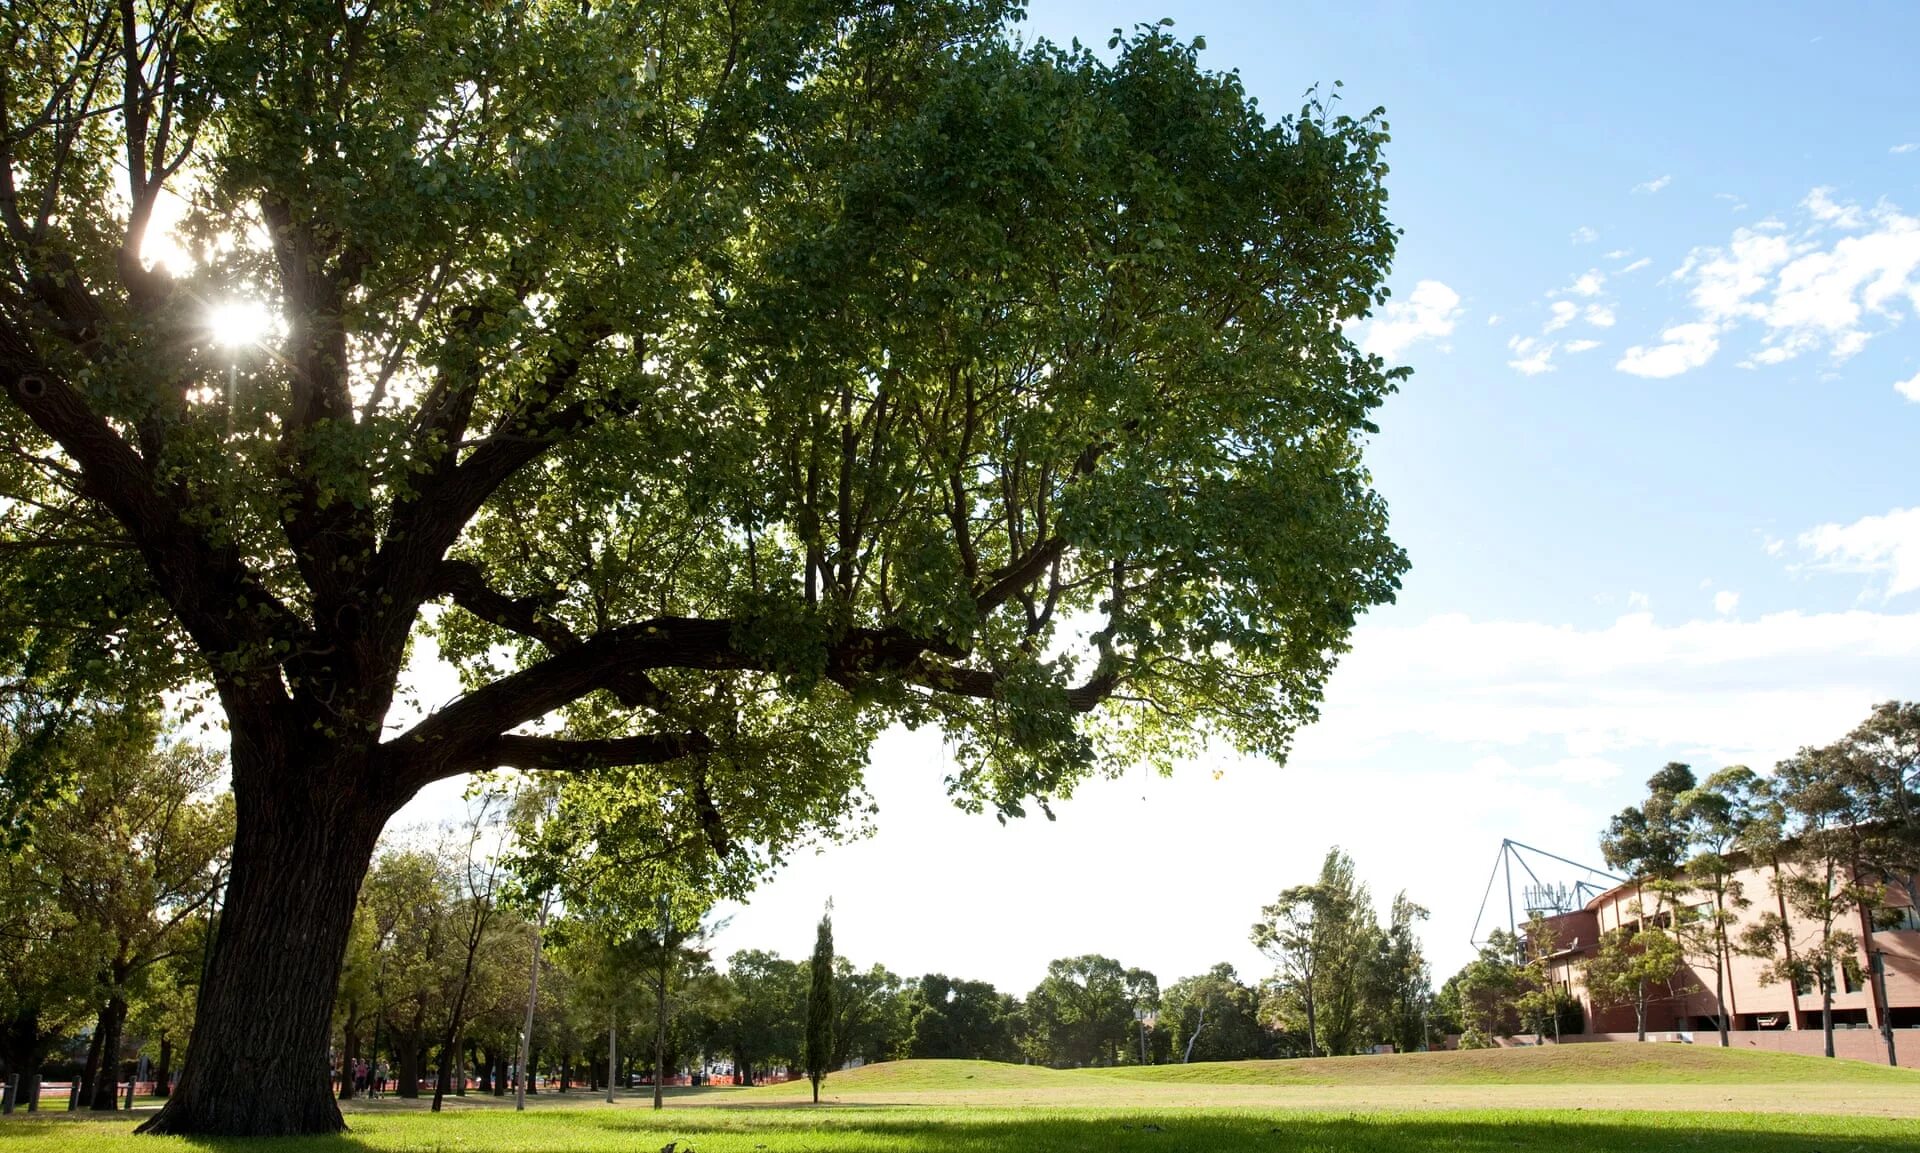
(1574, 1099)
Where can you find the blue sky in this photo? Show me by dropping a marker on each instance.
(1660, 285)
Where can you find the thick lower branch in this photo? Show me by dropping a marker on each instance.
(558, 754)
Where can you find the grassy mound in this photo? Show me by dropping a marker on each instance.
(1592, 1064)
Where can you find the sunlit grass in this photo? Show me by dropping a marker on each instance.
(1020, 1131)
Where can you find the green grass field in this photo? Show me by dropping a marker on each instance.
(1574, 1099)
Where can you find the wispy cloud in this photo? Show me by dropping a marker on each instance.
(1531, 356)
(1649, 187)
(1726, 602)
(1840, 276)
(1682, 347)
(1902, 149)
(1564, 313)
(1886, 548)
(1636, 265)
(1584, 235)
(1909, 388)
(1582, 345)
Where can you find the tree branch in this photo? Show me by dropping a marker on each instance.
(557, 754)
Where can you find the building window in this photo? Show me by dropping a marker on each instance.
(1850, 976)
(1902, 918)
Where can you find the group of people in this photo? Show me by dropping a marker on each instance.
(370, 1080)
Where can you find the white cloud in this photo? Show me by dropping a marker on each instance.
(1909, 388)
(1843, 275)
(1620, 254)
(1637, 265)
(1725, 602)
(1564, 312)
(1493, 318)
(1909, 146)
(1703, 684)
(1428, 313)
(1584, 235)
(1600, 315)
(1582, 345)
(1656, 184)
(1822, 207)
(1725, 280)
(1880, 546)
(1531, 357)
(1682, 347)
(1638, 600)
(1587, 283)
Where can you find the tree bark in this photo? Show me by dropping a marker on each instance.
(163, 1072)
(660, 1031)
(1826, 1009)
(304, 838)
(350, 1050)
(113, 1027)
(410, 1047)
(90, 1076)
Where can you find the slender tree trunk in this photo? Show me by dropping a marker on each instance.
(1313, 1028)
(304, 838)
(660, 1034)
(1722, 962)
(613, 1050)
(533, 999)
(1786, 939)
(1187, 1057)
(1826, 1011)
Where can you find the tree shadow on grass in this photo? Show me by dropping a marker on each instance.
(1037, 1132)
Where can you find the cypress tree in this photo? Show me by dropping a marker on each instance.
(820, 1005)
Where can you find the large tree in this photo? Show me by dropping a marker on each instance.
(1324, 938)
(724, 380)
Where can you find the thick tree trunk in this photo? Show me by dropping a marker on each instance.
(258, 1064)
(409, 1047)
(350, 1050)
(22, 1046)
(90, 1076)
(163, 1072)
